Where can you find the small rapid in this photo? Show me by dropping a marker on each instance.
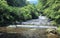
(35, 28)
(42, 20)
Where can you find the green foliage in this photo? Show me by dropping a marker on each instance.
(58, 29)
(9, 14)
(29, 12)
(51, 8)
(33, 11)
(25, 14)
(17, 3)
(40, 5)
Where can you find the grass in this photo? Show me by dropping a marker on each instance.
(58, 29)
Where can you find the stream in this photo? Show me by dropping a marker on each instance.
(42, 20)
(35, 28)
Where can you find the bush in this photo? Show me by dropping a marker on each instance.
(9, 14)
(51, 8)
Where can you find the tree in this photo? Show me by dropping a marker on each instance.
(10, 14)
(50, 8)
(17, 3)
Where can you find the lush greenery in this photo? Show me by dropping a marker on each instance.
(50, 8)
(16, 3)
(11, 13)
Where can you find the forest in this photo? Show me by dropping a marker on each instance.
(51, 9)
(12, 11)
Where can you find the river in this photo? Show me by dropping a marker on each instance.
(42, 20)
(35, 28)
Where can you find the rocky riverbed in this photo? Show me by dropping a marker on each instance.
(35, 28)
(24, 33)
(21, 33)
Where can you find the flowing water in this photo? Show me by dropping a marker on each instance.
(42, 20)
(35, 28)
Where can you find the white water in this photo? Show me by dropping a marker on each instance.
(42, 20)
(32, 26)
(36, 27)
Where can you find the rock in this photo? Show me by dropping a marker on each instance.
(52, 33)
